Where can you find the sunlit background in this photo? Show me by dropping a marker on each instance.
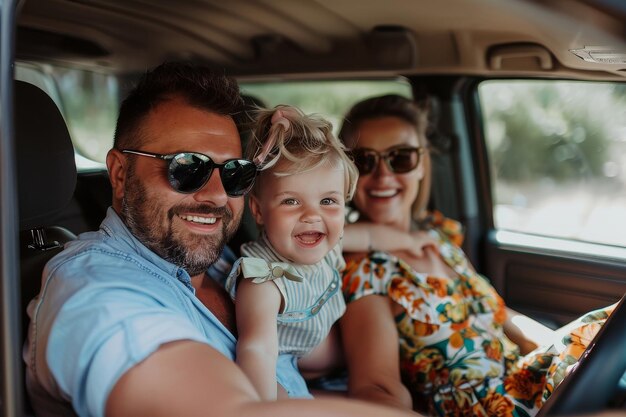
(557, 151)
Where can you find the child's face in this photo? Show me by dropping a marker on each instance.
(303, 214)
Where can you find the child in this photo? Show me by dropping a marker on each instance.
(286, 285)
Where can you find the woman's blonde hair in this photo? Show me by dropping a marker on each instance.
(285, 133)
(393, 105)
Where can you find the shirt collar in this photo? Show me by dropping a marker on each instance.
(115, 228)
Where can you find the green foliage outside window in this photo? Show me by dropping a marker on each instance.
(331, 99)
(545, 129)
(557, 155)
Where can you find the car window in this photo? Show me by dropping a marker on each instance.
(89, 102)
(557, 152)
(331, 99)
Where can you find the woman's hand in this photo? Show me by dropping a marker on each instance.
(527, 333)
(419, 240)
(366, 237)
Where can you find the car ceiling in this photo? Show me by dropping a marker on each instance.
(297, 38)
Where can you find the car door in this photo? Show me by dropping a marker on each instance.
(536, 170)
(10, 341)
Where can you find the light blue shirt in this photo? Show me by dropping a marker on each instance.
(106, 304)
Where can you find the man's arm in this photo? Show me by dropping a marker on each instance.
(181, 378)
(192, 379)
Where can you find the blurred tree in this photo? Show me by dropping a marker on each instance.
(559, 130)
(331, 99)
(90, 103)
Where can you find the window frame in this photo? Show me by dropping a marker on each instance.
(516, 240)
(11, 385)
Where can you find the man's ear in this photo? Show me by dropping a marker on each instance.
(255, 209)
(117, 166)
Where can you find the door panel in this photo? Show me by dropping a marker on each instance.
(552, 193)
(553, 288)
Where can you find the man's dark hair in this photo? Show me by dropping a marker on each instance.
(198, 85)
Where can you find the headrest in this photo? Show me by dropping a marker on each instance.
(46, 171)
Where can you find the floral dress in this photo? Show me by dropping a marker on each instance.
(454, 355)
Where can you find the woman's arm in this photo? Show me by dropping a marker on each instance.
(370, 341)
(365, 236)
(325, 357)
(525, 332)
(257, 306)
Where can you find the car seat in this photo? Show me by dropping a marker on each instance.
(46, 176)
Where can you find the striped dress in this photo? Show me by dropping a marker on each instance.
(311, 306)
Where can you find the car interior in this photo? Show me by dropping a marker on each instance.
(66, 64)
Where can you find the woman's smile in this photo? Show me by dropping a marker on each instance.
(383, 193)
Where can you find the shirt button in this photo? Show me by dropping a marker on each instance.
(277, 272)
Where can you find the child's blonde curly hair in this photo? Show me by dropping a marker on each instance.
(306, 141)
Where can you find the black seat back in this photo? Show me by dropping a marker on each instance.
(46, 181)
(92, 198)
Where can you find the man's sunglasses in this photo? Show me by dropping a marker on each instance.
(187, 172)
(398, 160)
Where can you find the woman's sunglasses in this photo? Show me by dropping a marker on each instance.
(398, 160)
(187, 172)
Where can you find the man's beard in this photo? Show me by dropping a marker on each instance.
(193, 252)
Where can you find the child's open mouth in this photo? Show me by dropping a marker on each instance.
(310, 238)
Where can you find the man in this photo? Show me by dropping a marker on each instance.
(127, 322)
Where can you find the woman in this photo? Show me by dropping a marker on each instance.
(460, 346)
